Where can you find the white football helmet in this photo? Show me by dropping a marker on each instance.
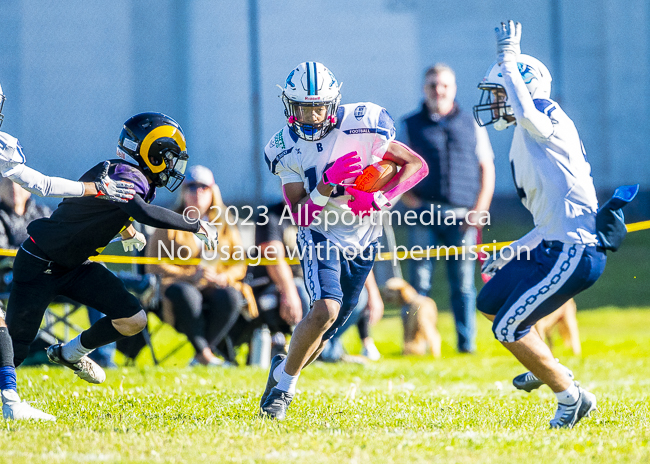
(2, 103)
(311, 85)
(493, 107)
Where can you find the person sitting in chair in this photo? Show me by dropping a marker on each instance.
(202, 302)
(279, 287)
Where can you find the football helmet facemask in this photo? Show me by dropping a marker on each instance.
(311, 97)
(157, 143)
(493, 108)
(2, 104)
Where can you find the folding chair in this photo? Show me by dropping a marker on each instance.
(58, 327)
(51, 320)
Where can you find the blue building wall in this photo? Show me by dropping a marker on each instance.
(74, 71)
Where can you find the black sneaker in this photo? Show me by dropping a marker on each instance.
(270, 381)
(568, 415)
(85, 368)
(276, 404)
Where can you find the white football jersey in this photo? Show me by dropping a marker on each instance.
(366, 128)
(11, 153)
(553, 179)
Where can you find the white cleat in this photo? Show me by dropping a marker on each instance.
(85, 368)
(15, 409)
(568, 415)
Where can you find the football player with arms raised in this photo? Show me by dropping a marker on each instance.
(318, 155)
(54, 259)
(12, 166)
(562, 255)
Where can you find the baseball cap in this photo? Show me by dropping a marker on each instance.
(200, 175)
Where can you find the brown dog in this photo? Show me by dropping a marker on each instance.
(420, 323)
(564, 318)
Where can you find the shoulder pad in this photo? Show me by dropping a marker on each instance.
(366, 117)
(280, 145)
(127, 172)
(282, 140)
(10, 149)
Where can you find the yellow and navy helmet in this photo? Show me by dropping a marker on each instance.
(157, 143)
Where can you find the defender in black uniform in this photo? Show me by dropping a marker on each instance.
(54, 260)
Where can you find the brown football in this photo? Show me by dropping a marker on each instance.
(376, 176)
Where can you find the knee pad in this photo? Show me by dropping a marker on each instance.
(129, 326)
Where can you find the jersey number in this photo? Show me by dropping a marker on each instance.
(313, 181)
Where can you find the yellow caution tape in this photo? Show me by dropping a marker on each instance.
(388, 256)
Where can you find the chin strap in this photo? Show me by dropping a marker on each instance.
(407, 184)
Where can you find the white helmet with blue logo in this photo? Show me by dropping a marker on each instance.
(494, 110)
(311, 96)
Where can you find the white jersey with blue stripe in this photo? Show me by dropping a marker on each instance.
(364, 127)
(11, 153)
(553, 179)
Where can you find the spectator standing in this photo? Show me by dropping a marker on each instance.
(460, 183)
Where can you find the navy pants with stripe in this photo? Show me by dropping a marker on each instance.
(330, 274)
(526, 290)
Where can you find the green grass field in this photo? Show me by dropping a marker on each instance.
(457, 409)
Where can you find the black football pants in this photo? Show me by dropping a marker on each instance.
(38, 281)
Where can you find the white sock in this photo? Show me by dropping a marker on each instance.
(73, 351)
(287, 383)
(277, 372)
(568, 396)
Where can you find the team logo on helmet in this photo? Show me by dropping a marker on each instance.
(333, 83)
(289, 77)
(526, 72)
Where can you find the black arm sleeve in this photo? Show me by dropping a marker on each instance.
(155, 216)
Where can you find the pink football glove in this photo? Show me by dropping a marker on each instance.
(343, 168)
(362, 203)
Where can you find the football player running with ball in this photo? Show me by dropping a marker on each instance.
(553, 180)
(318, 155)
(12, 166)
(54, 259)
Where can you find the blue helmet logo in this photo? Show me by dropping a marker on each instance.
(526, 72)
(289, 83)
(333, 83)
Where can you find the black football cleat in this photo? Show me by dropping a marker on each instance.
(270, 381)
(276, 404)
